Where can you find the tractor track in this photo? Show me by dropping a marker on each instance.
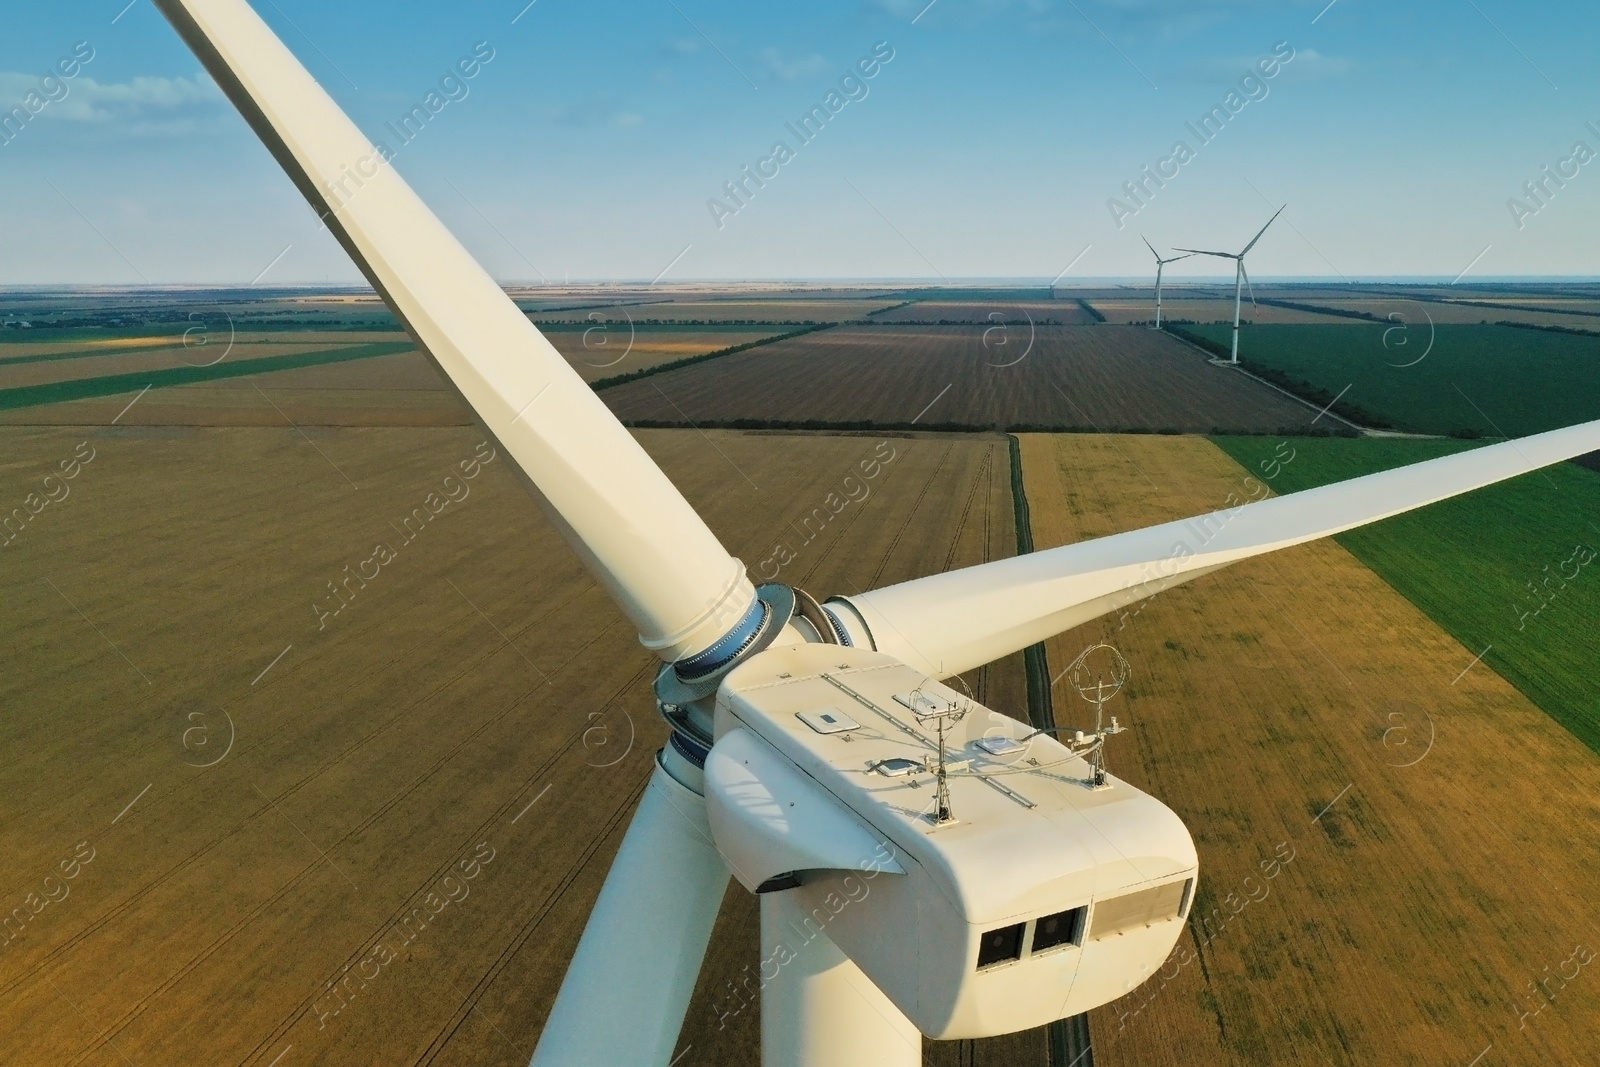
(136, 1009)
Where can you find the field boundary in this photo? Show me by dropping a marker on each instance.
(1321, 309)
(1429, 298)
(135, 350)
(867, 426)
(660, 326)
(662, 368)
(1068, 1040)
(1447, 604)
(588, 307)
(1216, 352)
(1548, 328)
(1367, 316)
(1329, 412)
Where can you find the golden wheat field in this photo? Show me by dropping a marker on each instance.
(1441, 830)
(343, 819)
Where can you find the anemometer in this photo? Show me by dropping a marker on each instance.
(941, 712)
(1098, 678)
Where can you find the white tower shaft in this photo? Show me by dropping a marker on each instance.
(1159, 265)
(818, 1009)
(1238, 296)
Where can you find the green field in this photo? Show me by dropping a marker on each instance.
(1478, 380)
(115, 384)
(1468, 563)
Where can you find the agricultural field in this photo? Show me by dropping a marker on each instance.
(1179, 305)
(367, 826)
(73, 363)
(1486, 380)
(549, 296)
(762, 311)
(179, 308)
(600, 351)
(1360, 900)
(479, 713)
(399, 390)
(92, 312)
(1419, 309)
(1085, 378)
(987, 312)
(71, 383)
(1500, 569)
(328, 378)
(1186, 300)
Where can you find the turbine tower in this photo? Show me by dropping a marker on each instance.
(1240, 276)
(799, 755)
(1160, 263)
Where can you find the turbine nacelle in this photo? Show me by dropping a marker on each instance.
(1041, 897)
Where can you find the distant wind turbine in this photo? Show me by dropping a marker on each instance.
(1240, 277)
(1159, 264)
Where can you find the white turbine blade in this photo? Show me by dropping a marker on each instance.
(1175, 259)
(1151, 247)
(655, 556)
(948, 623)
(1247, 283)
(1257, 237)
(628, 988)
(1203, 252)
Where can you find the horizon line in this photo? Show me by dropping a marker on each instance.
(982, 281)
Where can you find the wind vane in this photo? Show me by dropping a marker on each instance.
(941, 712)
(1097, 680)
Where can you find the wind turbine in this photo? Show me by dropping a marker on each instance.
(799, 759)
(1240, 276)
(1160, 263)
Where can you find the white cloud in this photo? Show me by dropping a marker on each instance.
(1311, 63)
(141, 105)
(595, 110)
(1122, 19)
(1307, 63)
(791, 69)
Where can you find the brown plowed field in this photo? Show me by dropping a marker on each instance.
(755, 309)
(160, 617)
(1277, 704)
(602, 352)
(1087, 378)
(1060, 312)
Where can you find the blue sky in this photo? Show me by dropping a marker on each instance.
(989, 146)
